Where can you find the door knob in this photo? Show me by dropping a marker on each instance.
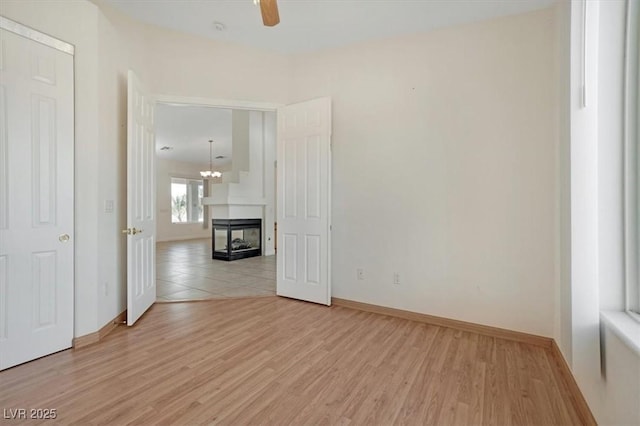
(63, 238)
(132, 231)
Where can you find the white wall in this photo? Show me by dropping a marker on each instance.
(112, 172)
(241, 141)
(179, 64)
(165, 229)
(563, 174)
(444, 149)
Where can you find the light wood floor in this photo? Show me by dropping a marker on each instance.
(277, 361)
(185, 271)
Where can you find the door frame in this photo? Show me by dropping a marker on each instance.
(217, 103)
(37, 36)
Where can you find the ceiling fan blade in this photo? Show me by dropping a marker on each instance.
(270, 15)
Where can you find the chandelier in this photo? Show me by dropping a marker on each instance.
(207, 174)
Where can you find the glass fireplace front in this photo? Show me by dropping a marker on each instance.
(236, 238)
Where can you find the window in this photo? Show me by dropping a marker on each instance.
(632, 160)
(186, 200)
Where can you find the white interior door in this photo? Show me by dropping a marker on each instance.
(141, 201)
(304, 201)
(36, 199)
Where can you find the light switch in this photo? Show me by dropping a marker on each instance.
(108, 206)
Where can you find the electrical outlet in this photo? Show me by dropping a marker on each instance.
(360, 273)
(396, 278)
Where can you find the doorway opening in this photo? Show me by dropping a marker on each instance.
(244, 152)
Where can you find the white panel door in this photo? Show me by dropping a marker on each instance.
(141, 201)
(36, 200)
(304, 201)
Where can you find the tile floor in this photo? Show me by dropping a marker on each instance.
(185, 271)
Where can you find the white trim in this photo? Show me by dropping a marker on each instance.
(217, 103)
(583, 71)
(631, 163)
(37, 36)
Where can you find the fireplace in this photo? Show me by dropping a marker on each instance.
(236, 238)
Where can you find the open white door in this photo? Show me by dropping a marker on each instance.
(36, 195)
(141, 201)
(304, 201)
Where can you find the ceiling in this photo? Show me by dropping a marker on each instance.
(187, 130)
(308, 25)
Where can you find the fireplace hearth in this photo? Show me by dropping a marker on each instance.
(234, 239)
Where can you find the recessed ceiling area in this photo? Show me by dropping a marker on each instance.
(186, 129)
(308, 25)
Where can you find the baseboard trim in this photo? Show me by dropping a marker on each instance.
(586, 416)
(95, 337)
(447, 322)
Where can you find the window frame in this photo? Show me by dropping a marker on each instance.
(632, 160)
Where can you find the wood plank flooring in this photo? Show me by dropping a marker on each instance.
(276, 361)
